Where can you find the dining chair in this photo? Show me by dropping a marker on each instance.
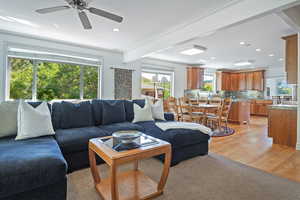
(221, 116)
(184, 109)
(196, 114)
(173, 107)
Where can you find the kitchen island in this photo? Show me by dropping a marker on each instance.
(282, 124)
(240, 111)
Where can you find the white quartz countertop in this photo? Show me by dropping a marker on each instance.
(283, 107)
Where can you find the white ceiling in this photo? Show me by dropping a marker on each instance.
(264, 33)
(142, 19)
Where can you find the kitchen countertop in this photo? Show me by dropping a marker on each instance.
(283, 107)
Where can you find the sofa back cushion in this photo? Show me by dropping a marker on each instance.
(113, 112)
(97, 111)
(8, 122)
(67, 115)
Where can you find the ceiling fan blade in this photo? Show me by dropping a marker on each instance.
(52, 9)
(84, 20)
(105, 14)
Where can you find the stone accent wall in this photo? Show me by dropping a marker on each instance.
(123, 84)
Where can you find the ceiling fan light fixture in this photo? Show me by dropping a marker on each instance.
(196, 49)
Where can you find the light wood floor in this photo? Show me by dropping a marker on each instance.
(251, 146)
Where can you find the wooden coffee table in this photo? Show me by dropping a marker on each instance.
(133, 184)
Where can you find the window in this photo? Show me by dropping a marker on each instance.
(278, 87)
(21, 78)
(45, 80)
(283, 89)
(208, 82)
(161, 81)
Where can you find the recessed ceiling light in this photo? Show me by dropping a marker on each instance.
(116, 30)
(213, 58)
(243, 63)
(271, 55)
(258, 50)
(280, 59)
(242, 43)
(194, 51)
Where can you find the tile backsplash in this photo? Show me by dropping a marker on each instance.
(249, 94)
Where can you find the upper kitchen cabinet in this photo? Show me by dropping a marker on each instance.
(195, 76)
(240, 81)
(223, 81)
(258, 80)
(291, 58)
(249, 81)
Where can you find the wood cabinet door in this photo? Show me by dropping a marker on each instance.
(249, 80)
(291, 59)
(242, 82)
(195, 78)
(226, 81)
(258, 81)
(234, 82)
(252, 108)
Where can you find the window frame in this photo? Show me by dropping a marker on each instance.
(35, 77)
(214, 80)
(157, 72)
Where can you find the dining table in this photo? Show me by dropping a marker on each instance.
(206, 108)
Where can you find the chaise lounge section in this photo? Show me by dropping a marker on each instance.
(36, 168)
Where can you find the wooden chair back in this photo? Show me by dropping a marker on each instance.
(184, 105)
(172, 104)
(202, 100)
(226, 105)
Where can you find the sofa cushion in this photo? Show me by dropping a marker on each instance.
(8, 122)
(97, 111)
(29, 164)
(177, 137)
(76, 139)
(129, 110)
(124, 126)
(113, 112)
(76, 115)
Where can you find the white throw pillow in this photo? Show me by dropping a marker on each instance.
(142, 114)
(8, 118)
(34, 122)
(157, 110)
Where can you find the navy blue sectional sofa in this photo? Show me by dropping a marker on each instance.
(35, 169)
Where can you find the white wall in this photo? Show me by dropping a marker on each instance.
(110, 59)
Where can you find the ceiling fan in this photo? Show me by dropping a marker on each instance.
(82, 6)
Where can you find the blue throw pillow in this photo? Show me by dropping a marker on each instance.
(113, 112)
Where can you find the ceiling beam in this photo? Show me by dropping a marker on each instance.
(232, 14)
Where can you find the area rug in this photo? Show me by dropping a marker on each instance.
(223, 132)
(209, 177)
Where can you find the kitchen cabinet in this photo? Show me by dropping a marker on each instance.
(239, 112)
(258, 81)
(240, 81)
(291, 58)
(195, 78)
(282, 125)
(260, 107)
(249, 81)
(234, 82)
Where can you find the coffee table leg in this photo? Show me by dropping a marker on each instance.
(93, 165)
(166, 170)
(113, 182)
